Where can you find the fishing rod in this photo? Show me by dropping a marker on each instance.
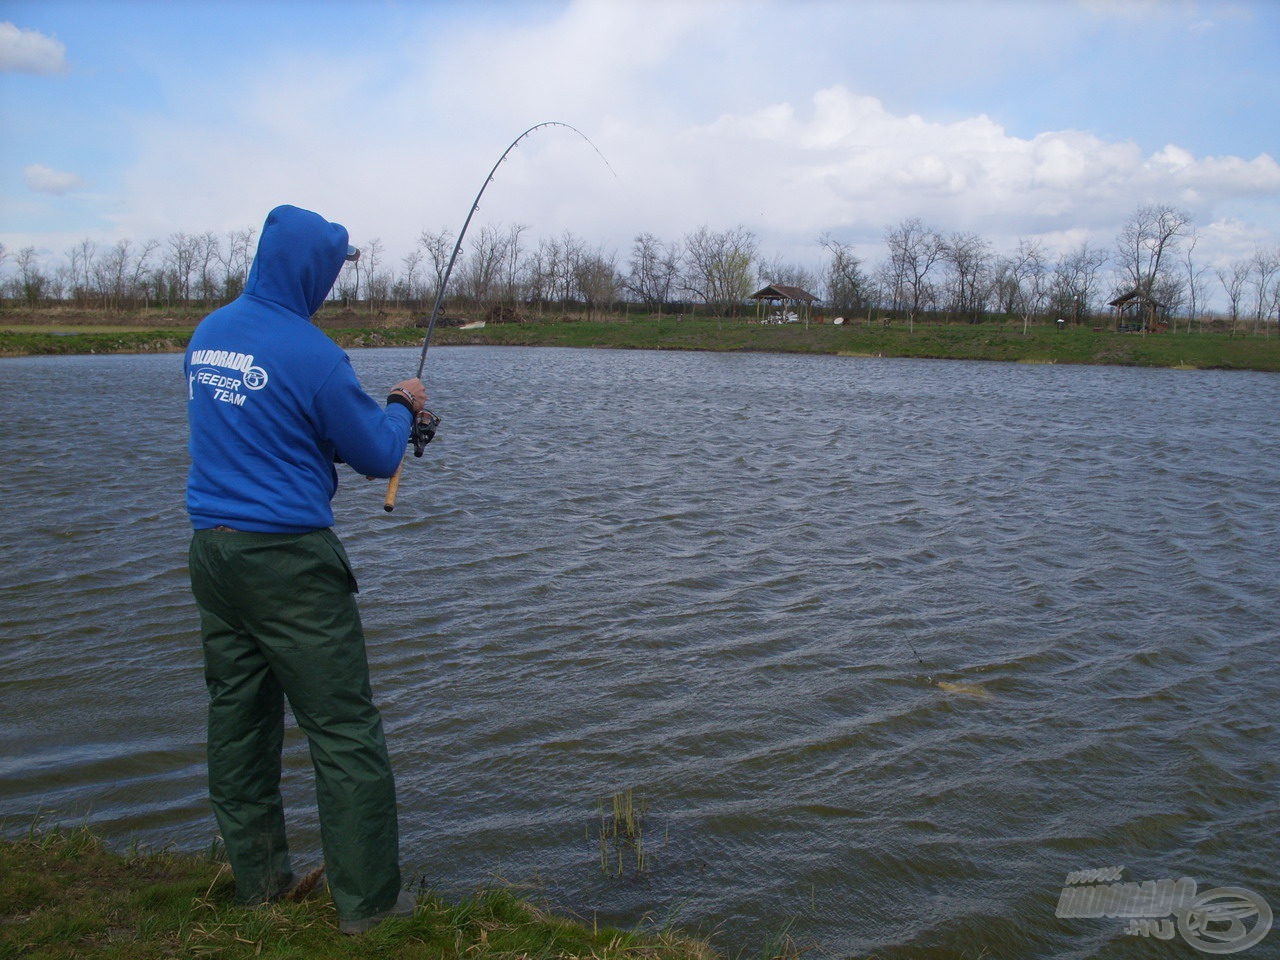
(426, 423)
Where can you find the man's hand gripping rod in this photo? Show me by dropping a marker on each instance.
(425, 424)
(424, 429)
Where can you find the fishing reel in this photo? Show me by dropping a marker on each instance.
(424, 430)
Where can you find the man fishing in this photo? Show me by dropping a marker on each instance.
(272, 404)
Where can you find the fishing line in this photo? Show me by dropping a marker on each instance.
(435, 310)
(927, 677)
(424, 427)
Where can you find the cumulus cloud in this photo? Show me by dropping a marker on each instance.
(1230, 239)
(29, 51)
(841, 162)
(847, 163)
(695, 139)
(44, 179)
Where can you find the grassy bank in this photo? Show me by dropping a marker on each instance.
(988, 341)
(26, 343)
(65, 895)
(985, 341)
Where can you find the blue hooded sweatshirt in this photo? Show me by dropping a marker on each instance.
(271, 400)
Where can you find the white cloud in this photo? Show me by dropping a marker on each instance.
(29, 51)
(841, 162)
(393, 140)
(1228, 239)
(849, 163)
(594, 58)
(44, 179)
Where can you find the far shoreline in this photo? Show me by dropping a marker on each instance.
(990, 340)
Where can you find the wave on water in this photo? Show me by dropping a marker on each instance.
(885, 648)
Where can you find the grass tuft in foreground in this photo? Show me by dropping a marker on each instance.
(65, 895)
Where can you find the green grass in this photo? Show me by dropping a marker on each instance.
(66, 895)
(15, 343)
(984, 341)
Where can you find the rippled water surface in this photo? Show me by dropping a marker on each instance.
(732, 584)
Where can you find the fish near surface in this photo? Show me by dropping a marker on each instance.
(969, 689)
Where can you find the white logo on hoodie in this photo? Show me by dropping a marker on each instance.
(207, 368)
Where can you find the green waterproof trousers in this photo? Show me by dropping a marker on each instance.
(278, 619)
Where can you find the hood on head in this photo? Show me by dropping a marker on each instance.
(299, 257)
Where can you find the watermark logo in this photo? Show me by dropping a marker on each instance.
(1221, 920)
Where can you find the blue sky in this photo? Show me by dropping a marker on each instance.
(1009, 118)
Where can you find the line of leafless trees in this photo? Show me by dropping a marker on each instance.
(924, 274)
(185, 270)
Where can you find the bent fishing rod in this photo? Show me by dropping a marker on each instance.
(426, 423)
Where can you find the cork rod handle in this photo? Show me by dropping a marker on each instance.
(393, 487)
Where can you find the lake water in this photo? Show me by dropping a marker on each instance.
(731, 584)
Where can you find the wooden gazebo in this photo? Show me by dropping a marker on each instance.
(1137, 312)
(783, 296)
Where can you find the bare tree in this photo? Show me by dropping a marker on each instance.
(1146, 244)
(1263, 270)
(1004, 285)
(595, 275)
(482, 266)
(846, 285)
(537, 275)
(407, 287)
(511, 263)
(1233, 279)
(1027, 271)
(347, 287)
(60, 285)
(1170, 292)
(1196, 278)
(914, 250)
(571, 251)
(247, 249)
(142, 270)
(32, 281)
(112, 273)
(548, 270)
(80, 264)
(437, 247)
(654, 270)
(180, 260)
(969, 257)
(377, 284)
(1273, 296)
(718, 266)
(235, 259)
(1073, 288)
(207, 253)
